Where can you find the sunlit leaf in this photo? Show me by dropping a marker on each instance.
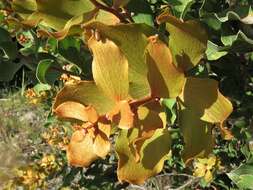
(66, 17)
(75, 110)
(86, 93)
(242, 176)
(153, 154)
(132, 41)
(165, 80)
(215, 52)
(148, 122)
(187, 41)
(102, 144)
(204, 99)
(52, 13)
(80, 151)
(109, 68)
(126, 115)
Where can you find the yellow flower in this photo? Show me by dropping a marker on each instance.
(69, 79)
(48, 162)
(30, 93)
(203, 167)
(33, 97)
(56, 136)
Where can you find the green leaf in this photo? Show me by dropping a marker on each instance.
(181, 7)
(142, 12)
(29, 41)
(214, 51)
(187, 41)
(40, 87)
(71, 49)
(243, 176)
(8, 70)
(237, 42)
(8, 48)
(48, 71)
(171, 110)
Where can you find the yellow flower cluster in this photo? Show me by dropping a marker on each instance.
(205, 167)
(34, 176)
(33, 97)
(31, 177)
(48, 163)
(56, 136)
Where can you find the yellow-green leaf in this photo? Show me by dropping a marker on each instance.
(148, 121)
(72, 26)
(203, 97)
(202, 106)
(132, 41)
(165, 80)
(86, 93)
(197, 134)
(52, 13)
(109, 68)
(154, 152)
(187, 41)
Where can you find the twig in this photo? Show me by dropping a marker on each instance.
(139, 102)
(109, 9)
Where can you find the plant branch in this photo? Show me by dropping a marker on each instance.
(109, 9)
(139, 102)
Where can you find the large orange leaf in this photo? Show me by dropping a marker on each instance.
(122, 115)
(187, 41)
(80, 151)
(165, 80)
(86, 93)
(109, 68)
(75, 110)
(102, 144)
